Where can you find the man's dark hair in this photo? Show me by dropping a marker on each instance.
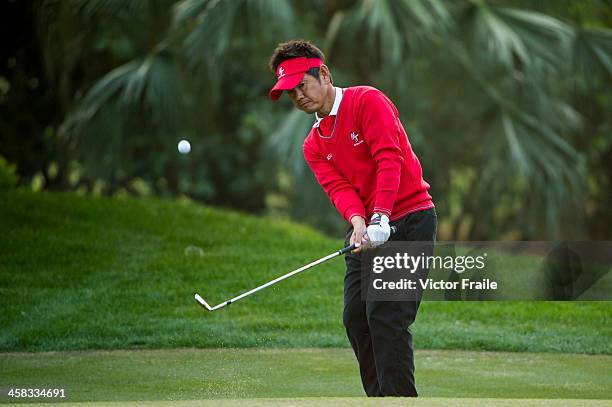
(294, 49)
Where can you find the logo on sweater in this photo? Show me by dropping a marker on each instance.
(355, 138)
(329, 156)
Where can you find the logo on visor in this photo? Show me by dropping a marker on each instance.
(281, 72)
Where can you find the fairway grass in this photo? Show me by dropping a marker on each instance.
(356, 401)
(200, 374)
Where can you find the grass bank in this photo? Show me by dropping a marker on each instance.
(81, 273)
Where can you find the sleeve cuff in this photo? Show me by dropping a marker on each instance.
(382, 210)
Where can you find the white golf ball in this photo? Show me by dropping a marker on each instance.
(184, 147)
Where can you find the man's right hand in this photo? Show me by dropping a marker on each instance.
(359, 236)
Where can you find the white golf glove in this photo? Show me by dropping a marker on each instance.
(379, 230)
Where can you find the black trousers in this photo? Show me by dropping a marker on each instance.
(379, 331)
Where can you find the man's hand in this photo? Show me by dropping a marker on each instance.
(359, 236)
(378, 231)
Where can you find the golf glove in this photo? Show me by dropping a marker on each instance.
(379, 230)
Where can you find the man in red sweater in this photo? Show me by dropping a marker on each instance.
(359, 152)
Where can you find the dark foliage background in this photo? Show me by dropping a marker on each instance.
(508, 103)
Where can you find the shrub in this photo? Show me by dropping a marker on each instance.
(8, 174)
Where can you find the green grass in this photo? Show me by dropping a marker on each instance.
(192, 374)
(82, 273)
(355, 401)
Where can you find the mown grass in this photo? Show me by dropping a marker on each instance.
(351, 402)
(89, 273)
(193, 374)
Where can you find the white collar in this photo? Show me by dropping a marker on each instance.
(335, 106)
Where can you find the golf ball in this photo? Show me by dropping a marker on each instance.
(184, 147)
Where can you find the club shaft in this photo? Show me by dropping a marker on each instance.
(281, 278)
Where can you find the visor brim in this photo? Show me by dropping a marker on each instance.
(287, 82)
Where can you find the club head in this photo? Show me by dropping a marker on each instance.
(203, 303)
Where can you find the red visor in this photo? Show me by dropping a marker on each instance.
(291, 72)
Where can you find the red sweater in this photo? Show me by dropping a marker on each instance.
(364, 162)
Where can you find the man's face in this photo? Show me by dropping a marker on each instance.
(309, 95)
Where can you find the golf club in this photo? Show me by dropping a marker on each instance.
(340, 252)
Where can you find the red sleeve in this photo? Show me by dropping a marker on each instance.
(338, 189)
(379, 123)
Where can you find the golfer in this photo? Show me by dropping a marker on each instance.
(359, 152)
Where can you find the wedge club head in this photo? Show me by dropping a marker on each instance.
(202, 302)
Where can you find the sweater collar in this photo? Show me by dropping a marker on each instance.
(334, 109)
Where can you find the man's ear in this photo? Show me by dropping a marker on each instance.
(325, 74)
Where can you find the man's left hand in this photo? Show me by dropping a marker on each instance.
(379, 230)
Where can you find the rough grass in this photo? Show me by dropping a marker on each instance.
(89, 273)
(197, 374)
